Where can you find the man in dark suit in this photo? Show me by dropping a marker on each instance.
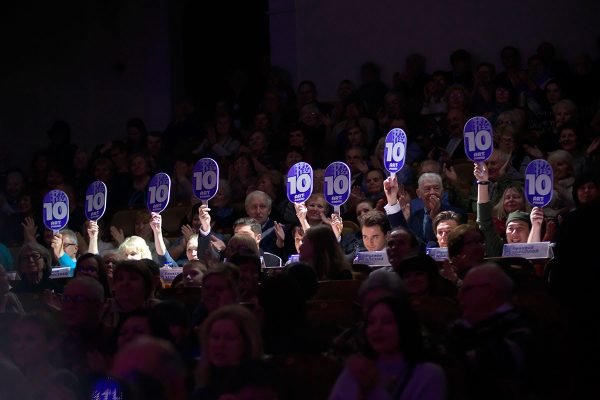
(430, 191)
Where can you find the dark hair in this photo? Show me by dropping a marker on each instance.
(375, 218)
(426, 264)
(246, 257)
(158, 327)
(491, 66)
(171, 313)
(586, 177)
(457, 236)
(308, 83)
(305, 276)
(251, 222)
(414, 240)
(138, 124)
(445, 216)
(409, 330)
(102, 276)
(329, 260)
(459, 55)
(139, 267)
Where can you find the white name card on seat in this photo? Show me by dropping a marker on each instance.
(167, 274)
(438, 253)
(372, 258)
(530, 251)
(61, 272)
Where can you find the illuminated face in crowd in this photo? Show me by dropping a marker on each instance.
(513, 201)
(517, 231)
(373, 238)
(443, 230)
(258, 208)
(374, 181)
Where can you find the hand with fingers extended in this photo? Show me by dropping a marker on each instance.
(117, 234)
(187, 231)
(217, 243)
(29, 230)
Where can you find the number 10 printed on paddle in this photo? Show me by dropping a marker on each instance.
(205, 183)
(159, 191)
(56, 210)
(394, 152)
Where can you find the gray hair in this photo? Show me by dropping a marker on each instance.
(256, 193)
(70, 234)
(427, 176)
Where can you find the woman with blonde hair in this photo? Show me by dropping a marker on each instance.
(513, 199)
(135, 248)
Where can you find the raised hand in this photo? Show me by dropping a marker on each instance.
(57, 245)
(29, 230)
(156, 223)
(187, 232)
(117, 234)
(536, 216)
(301, 211)
(93, 230)
(204, 218)
(480, 172)
(391, 189)
(337, 225)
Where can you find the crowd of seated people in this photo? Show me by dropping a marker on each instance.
(249, 306)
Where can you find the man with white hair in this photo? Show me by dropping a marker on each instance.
(430, 189)
(258, 206)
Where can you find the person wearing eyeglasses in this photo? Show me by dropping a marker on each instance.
(65, 247)
(33, 267)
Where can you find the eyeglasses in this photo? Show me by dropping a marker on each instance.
(33, 257)
(65, 245)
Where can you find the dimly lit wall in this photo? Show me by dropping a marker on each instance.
(93, 63)
(327, 41)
